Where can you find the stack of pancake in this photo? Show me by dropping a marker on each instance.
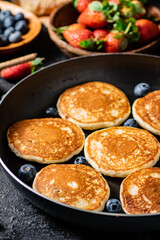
(114, 151)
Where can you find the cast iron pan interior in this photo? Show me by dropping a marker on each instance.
(31, 96)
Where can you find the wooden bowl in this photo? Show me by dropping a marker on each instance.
(34, 26)
(66, 14)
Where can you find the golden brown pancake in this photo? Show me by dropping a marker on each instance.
(94, 105)
(140, 191)
(45, 140)
(118, 151)
(146, 112)
(76, 185)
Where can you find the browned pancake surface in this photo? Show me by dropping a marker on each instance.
(148, 109)
(140, 191)
(117, 151)
(45, 139)
(73, 184)
(94, 102)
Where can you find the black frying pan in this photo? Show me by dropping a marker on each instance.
(31, 96)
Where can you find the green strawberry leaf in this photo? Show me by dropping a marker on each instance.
(59, 31)
(110, 10)
(124, 44)
(96, 6)
(87, 44)
(75, 3)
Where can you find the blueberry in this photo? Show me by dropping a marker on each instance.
(4, 14)
(80, 160)
(27, 173)
(21, 26)
(51, 112)
(130, 122)
(3, 40)
(8, 22)
(15, 37)
(113, 206)
(8, 31)
(19, 16)
(141, 89)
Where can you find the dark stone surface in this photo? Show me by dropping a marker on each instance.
(19, 219)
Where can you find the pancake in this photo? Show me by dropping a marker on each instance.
(146, 112)
(140, 191)
(94, 105)
(118, 151)
(45, 140)
(76, 185)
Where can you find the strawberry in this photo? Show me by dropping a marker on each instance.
(148, 30)
(114, 1)
(75, 26)
(114, 43)
(74, 37)
(19, 71)
(133, 8)
(93, 16)
(100, 33)
(80, 5)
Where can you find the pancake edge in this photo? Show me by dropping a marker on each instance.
(141, 122)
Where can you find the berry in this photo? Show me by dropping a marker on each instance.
(19, 16)
(93, 16)
(15, 37)
(130, 123)
(51, 112)
(114, 44)
(8, 22)
(3, 40)
(80, 160)
(141, 89)
(19, 71)
(147, 29)
(27, 173)
(4, 14)
(74, 37)
(21, 26)
(8, 31)
(113, 206)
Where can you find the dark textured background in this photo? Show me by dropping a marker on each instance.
(19, 219)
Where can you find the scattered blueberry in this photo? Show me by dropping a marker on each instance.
(130, 122)
(19, 16)
(27, 173)
(8, 31)
(141, 89)
(15, 37)
(51, 112)
(80, 160)
(4, 14)
(8, 22)
(21, 26)
(113, 206)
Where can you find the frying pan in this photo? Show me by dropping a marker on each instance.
(30, 97)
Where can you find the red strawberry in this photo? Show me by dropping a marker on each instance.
(76, 26)
(93, 16)
(74, 37)
(17, 72)
(148, 30)
(100, 33)
(80, 5)
(114, 43)
(134, 9)
(115, 1)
